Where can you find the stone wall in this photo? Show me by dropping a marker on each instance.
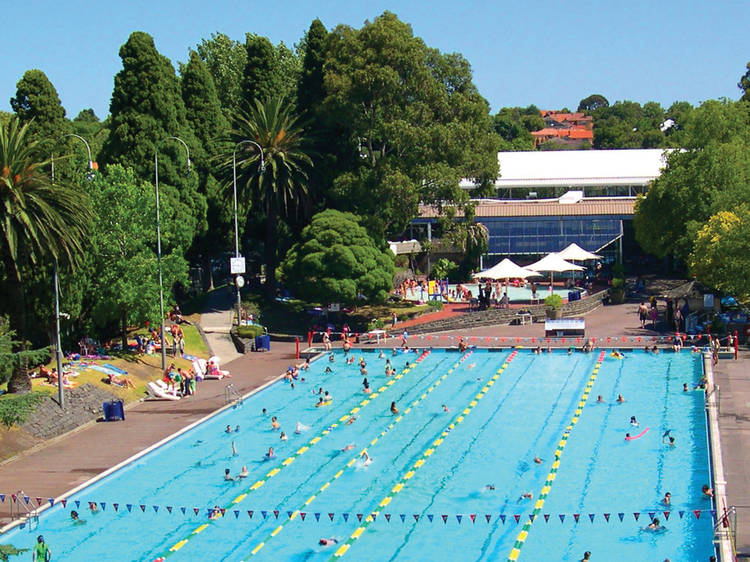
(82, 405)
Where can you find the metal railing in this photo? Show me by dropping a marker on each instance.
(231, 394)
(25, 511)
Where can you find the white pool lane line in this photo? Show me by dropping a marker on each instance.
(350, 463)
(523, 535)
(403, 481)
(289, 460)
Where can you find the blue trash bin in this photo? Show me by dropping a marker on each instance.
(263, 343)
(113, 410)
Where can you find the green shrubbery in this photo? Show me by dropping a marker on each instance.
(250, 332)
(553, 301)
(15, 408)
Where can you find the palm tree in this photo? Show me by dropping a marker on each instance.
(279, 190)
(39, 220)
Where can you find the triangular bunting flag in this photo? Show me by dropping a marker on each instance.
(488, 517)
(345, 516)
(636, 515)
(681, 514)
(713, 513)
(169, 508)
(223, 511)
(459, 517)
(402, 516)
(104, 505)
(562, 517)
(473, 517)
(156, 509)
(651, 515)
(210, 512)
(430, 516)
(289, 514)
(26, 499)
(416, 516)
(276, 513)
(388, 517)
(195, 510)
(236, 513)
(129, 507)
(117, 505)
(303, 514)
(38, 501)
(359, 517)
(445, 518)
(330, 516)
(546, 517)
(183, 509)
(502, 518)
(516, 517)
(317, 516)
(51, 501)
(250, 513)
(143, 508)
(697, 513)
(591, 517)
(78, 503)
(531, 517)
(621, 516)
(666, 514)
(264, 514)
(576, 516)
(64, 503)
(606, 517)
(2, 497)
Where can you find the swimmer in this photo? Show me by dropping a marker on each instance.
(328, 370)
(489, 487)
(600, 399)
(407, 365)
(283, 436)
(93, 508)
(667, 439)
(234, 450)
(586, 556)
(707, 492)
(228, 429)
(616, 354)
(685, 387)
(243, 473)
(227, 476)
(368, 460)
(274, 423)
(471, 365)
(237, 429)
(667, 499)
(327, 397)
(570, 351)
(381, 355)
(620, 399)
(655, 350)
(537, 350)
(270, 454)
(394, 409)
(264, 412)
(300, 427)
(537, 460)
(327, 542)
(291, 386)
(349, 447)
(76, 520)
(633, 421)
(627, 437)
(363, 371)
(351, 420)
(331, 359)
(445, 408)
(215, 513)
(320, 403)
(526, 496)
(655, 525)
(350, 360)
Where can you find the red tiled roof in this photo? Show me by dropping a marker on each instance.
(546, 208)
(576, 133)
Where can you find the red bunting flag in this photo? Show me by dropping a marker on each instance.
(276, 513)
(517, 517)
(38, 501)
(302, 514)
(143, 508)
(473, 517)
(445, 518)
(116, 505)
(606, 516)
(250, 513)
(666, 515)
(195, 510)
(416, 517)
(330, 516)
(697, 513)
(576, 516)
(359, 517)
(636, 515)
(64, 503)
(388, 517)
(169, 509)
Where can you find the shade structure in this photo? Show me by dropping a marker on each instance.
(553, 263)
(506, 269)
(575, 253)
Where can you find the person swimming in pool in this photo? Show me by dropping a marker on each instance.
(537, 460)
(394, 409)
(283, 436)
(667, 500)
(620, 398)
(490, 487)
(633, 421)
(367, 457)
(275, 423)
(300, 427)
(228, 429)
(685, 387)
(655, 525)
(327, 542)
(243, 473)
(76, 520)
(270, 454)
(234, 450)
(445, 408)
(381, 355)
(600, 399)
(349, 447)
(227, 476)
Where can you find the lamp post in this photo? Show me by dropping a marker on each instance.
(261, 168)
(158, 248)
(58, 345)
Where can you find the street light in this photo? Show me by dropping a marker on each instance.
(158, 248)
(58, 345)
(261, 169)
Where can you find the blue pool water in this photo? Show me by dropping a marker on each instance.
(520, 293)
(445, 485)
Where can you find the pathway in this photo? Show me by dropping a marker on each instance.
(216, 320)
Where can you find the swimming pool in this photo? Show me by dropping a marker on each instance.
(441, 485)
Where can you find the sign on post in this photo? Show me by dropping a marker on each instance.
(236, 265)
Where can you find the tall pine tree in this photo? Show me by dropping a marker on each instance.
(146, 109)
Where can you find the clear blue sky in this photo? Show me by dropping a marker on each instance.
(550, 53)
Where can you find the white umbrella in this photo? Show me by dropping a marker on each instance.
(506, 269)
(552, 263)
(575, 253)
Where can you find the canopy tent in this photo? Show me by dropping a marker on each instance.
(506, 269)
(552, 263)
(575, 253)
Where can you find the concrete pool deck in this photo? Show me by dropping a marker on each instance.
(72, 459)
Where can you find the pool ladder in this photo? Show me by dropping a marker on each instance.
(231, 394)
(24, 511)
(725, 527)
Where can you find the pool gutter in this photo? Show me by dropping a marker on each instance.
(722, 539)
(23, 520)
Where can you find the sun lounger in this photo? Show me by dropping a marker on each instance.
(160, 391)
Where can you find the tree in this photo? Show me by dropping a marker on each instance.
(628, 125)
(310, 90)
(721, 255)
(710, 176)
(336, 261)
(226, 60)
(145, 111)
(744, 84)
(412, 122)
(41, 221)
(36, 102)
(280, 191)
(592, 103)
(259, 81)
(205, 117)
(124, 291)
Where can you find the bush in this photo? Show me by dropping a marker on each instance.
(16, 408)
(436, 304)
(618, 283)
(377, 324)
(553, 302)
(444, 268)
(250, 332)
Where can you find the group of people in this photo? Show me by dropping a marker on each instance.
(179, 380)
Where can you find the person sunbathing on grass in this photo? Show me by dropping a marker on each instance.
(121, 381)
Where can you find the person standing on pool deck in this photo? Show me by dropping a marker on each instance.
(41, 552)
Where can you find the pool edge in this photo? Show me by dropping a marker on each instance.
(719, 480)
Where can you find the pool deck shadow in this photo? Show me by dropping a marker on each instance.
(70, 460)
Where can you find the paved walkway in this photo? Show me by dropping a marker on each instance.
(72, 459)
(216, 320)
